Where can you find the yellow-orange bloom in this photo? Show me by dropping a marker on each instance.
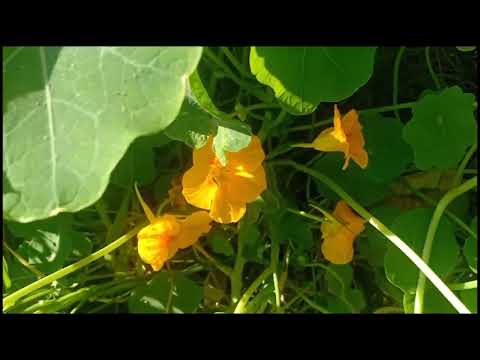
(345, 136)
(159, 241)
(225, 190)
(338, 237)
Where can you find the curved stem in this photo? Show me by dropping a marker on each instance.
(464, 286)
(11, 299)
(432, 229)
(236, 63)
(430, 68)
(396, 68)
(402, 246)
(381, 109)
(240, 308)
(223, 268)
(461, 168)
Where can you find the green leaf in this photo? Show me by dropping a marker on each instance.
(47, 243)
(290, 227)
(53, 97)
(192, 126)
(220, 242)
(434, 302)
(138, 163)
(374, 246)
(303, 77)
(6, 279)
(152, 297)
(388, 154)
(249, 236)
(441, 129)
(469, 298)
(81, 245)
(353, 180)
(231, 136)
(412, 227)
(344, 273)
(470, 248)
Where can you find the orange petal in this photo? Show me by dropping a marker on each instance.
(199, 189)
(338, 130)
(193, 227)
(204, 156)
(243, 187)
(326, 141)
(248, 158)
(155, 242)
(350, 122)
(344, 213)
(225, 211)
(338, 249)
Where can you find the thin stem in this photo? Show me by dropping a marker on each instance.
(22, 261)
(240, 308)
(430, 68)
(236, 63)
(11, 299)
(432, 229)
(266, 128)
(304, 214)
(382, 109)
(402, 246)
(102, 212)
(461, 168)
(236, 275)
(310, 302)
(464, 286)
(451, 215)
(396, 68)
(223, 268)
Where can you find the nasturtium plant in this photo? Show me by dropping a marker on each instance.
(163, 290)
(442, 128)
(354, 180)
(304, 77)
(470, 248)
(412, 227)
(240, 179)
(54, 97)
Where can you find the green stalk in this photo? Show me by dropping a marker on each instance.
(223, 268)
(430, 68)
(236, 275)
(11, 299)
(464, 286)
(424, 268)
(432, 229)
(381, 109)
(242, 303)
(461, 168)
(236, 63)
(396, 68)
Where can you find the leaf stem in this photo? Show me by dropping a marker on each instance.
(424, 268)
(461, 168)
(240, 308)
(236, 63)
(223, 268)
(464, 286)
(430, 68)
(432, 228)
(381, 109)
(11, 299)
(396, 68)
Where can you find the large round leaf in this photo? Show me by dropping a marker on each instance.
(70, 114)
(302, 77)
(442, 128)
(412, 227)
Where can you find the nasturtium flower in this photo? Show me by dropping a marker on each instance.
(338, 236)
(225, 190)
(345, 136)
(159, 241)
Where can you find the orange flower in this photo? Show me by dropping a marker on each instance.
(159, 241)
(345, 136)
(339, 236)
(225, 190)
